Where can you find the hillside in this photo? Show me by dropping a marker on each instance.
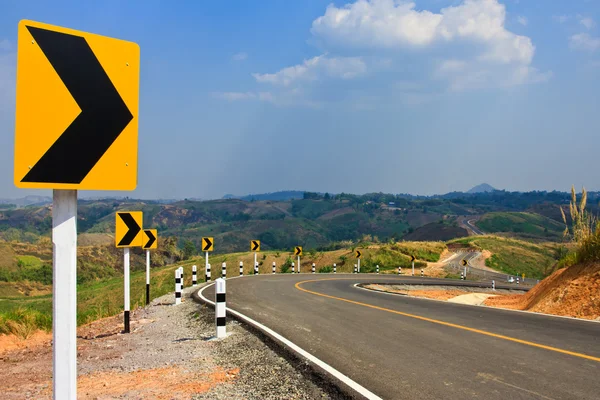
(313, 221)
(513, 256)
(523, 224)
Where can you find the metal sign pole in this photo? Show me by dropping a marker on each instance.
(254, 259)
(126, 304)
(359, 265)
(64, 294)
(413, 268)
(147, 277)
(207, 277)
(298, 264)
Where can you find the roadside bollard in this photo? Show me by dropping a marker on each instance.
(378, 269)
(241, 268)
(181, 274)
(399, 270)
(313, 268)
(274, 266)
(194, 276)
(207, 272)
(177, 286)
(220, 308)
(355, 269)
(517, 280)
(422, 274)
(334, 268)
(462, 277)
(255, 268)
(293, 268)
(493, 285)
(224, 270)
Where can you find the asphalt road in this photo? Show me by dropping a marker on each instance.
(406, 348)
(471, 226)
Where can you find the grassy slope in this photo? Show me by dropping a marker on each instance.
(105, 297)
(521, 223)
(514, 256)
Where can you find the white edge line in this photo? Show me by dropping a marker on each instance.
(321, 364)
(475, 305)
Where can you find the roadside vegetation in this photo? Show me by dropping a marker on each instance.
(523, 224)
(514, 256)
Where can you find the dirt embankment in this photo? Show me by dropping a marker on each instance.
(168, 355)
(572, 292)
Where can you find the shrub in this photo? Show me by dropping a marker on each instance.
(285, 267)
(325, 270)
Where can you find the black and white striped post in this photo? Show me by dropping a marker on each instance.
(399, 270)
(422, 273)
(334, 268)
(241, 268)
(293, 268)
(207, 272)
(224, 270)
(462, 277)
(517, 280)
(181, 276)
(377, 268)
(177, 286)
(313, 268)
(256, 268)
(220, 308)
(493, 285)
(194, 275)
(274, 266)
(355, 269)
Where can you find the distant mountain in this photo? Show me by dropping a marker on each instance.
(483, 188)
(275, 196)
(28, 201)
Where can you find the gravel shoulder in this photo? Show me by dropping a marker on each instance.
(170, 354)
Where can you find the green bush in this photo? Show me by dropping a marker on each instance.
(285, 268)
(325, 270)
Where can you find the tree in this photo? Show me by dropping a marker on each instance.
(189, 250)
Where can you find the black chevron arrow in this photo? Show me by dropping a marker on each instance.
(208, 244)
(103, 115)
(151, 239)
(298, 250)
(358, 254)
(255, 245)
(133, 227)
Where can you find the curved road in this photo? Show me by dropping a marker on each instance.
(407, 348)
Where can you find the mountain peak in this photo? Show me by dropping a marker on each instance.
(483, 188)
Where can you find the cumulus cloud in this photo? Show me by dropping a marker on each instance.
(393, 25)
(522, 20)
(584, 42)
(314, 68)
(240, 56)
(587, 22)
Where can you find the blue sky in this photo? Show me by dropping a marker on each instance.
(416, 97)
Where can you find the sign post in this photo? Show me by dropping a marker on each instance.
(80, 111)
(128, 226)
(412, 261)
(298, 252)
(64, 294)
(150, 242)
(358, 254)
(255, 247)
(208, 245)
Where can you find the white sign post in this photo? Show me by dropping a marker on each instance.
(126, 302)
(64, 294)
(359, 265)
(298, 264)
(413, 268)
(147, 277)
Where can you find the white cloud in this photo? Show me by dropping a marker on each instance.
(522, 20)
(587, 22)
(394, 24)
(584, 42)
(314, 68)
(241, 96)
(240, 56)
(474, 26)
